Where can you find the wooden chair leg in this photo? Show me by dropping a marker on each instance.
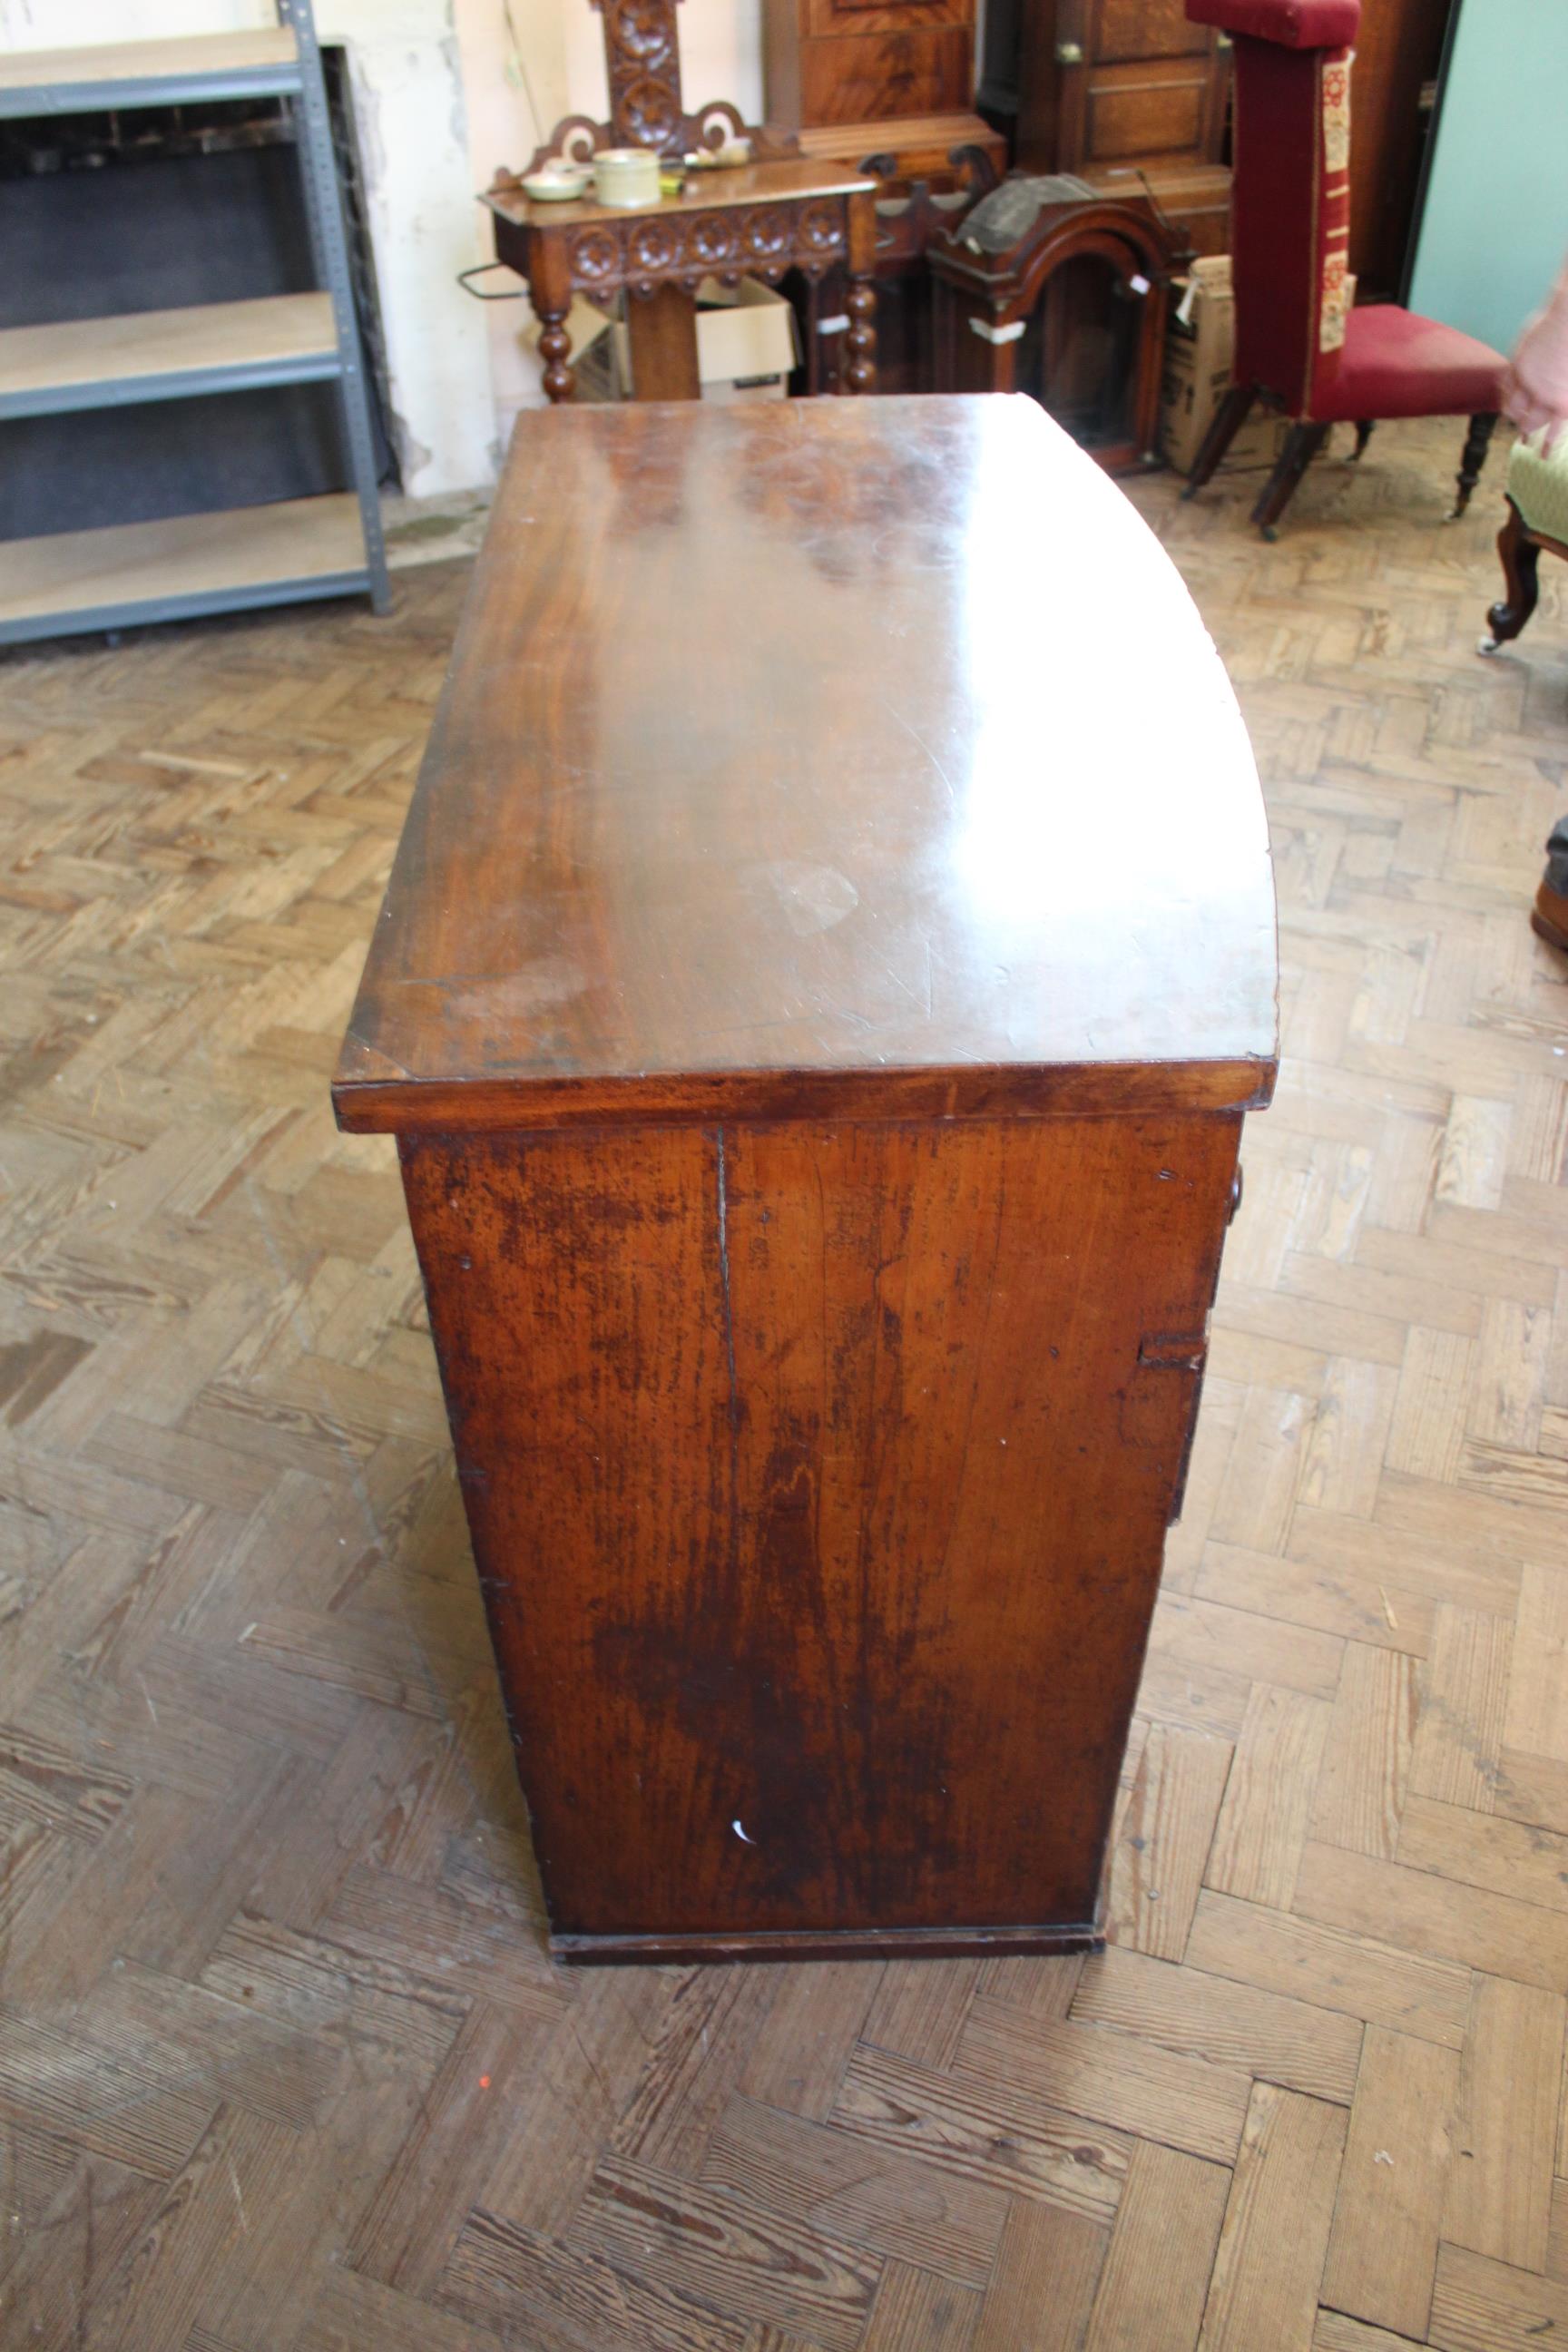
(1297, 453)
(1549, 915)
(1521, 585)
(1363, 433)
(1472, 459)
(1229, 419)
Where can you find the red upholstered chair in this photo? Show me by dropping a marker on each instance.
(1295, 341)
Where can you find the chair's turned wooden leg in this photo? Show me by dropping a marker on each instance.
(1522, 585)
(1227, 423)
(1472, 458)
(1549, 915)
(1363, 433)
(1297, 453)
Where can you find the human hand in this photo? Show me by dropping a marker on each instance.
(1530, 414)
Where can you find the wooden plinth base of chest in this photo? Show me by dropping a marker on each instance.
(818, 1477)
(830, 1944)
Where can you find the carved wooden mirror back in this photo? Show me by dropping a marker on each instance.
(642, 57)
(642, 60)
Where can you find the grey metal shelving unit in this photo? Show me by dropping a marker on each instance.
(229, 558)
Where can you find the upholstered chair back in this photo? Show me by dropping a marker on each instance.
(1289, 189)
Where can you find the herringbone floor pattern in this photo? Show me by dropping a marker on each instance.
(282, 2067)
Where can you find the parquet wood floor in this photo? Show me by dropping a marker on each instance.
(282, 2068)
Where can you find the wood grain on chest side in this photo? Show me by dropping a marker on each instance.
(818, 1479)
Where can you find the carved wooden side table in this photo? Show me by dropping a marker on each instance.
(817, 999)
(781, 211)
(759, 221)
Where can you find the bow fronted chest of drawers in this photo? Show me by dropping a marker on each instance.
(817, 999)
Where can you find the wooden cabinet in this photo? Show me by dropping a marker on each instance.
(817, 998)
(1115, 89)
(855, 77)
(1115, 81)
(1398, 47)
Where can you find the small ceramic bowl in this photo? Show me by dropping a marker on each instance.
(728, 158)
(557, 184)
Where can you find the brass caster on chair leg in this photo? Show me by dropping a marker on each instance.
(1271, 532)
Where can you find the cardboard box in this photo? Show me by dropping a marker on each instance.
(746, 344)
(1200, 348)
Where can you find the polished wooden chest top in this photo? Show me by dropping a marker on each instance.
(793, 748)
(817, 997)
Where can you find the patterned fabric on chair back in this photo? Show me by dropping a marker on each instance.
(1289, 188)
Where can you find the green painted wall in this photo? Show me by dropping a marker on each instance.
(1495, 228)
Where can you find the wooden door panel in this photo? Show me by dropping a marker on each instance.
(1103, 80)
(1145, 28)
(1134, 111)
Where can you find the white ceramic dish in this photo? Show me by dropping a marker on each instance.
(557, 187)
(728, 158)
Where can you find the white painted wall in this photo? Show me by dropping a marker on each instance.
(516, 87)
(442, 91)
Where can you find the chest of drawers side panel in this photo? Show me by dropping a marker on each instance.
(818, 1478)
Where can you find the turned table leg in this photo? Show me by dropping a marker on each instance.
(555, 349)
(860, 343)
(860, 301)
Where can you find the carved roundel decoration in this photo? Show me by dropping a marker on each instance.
(596, 254)
(822, 228)
(654, 248)
(767, 233)
(714, 239)
(650, 110)
(642, 28)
